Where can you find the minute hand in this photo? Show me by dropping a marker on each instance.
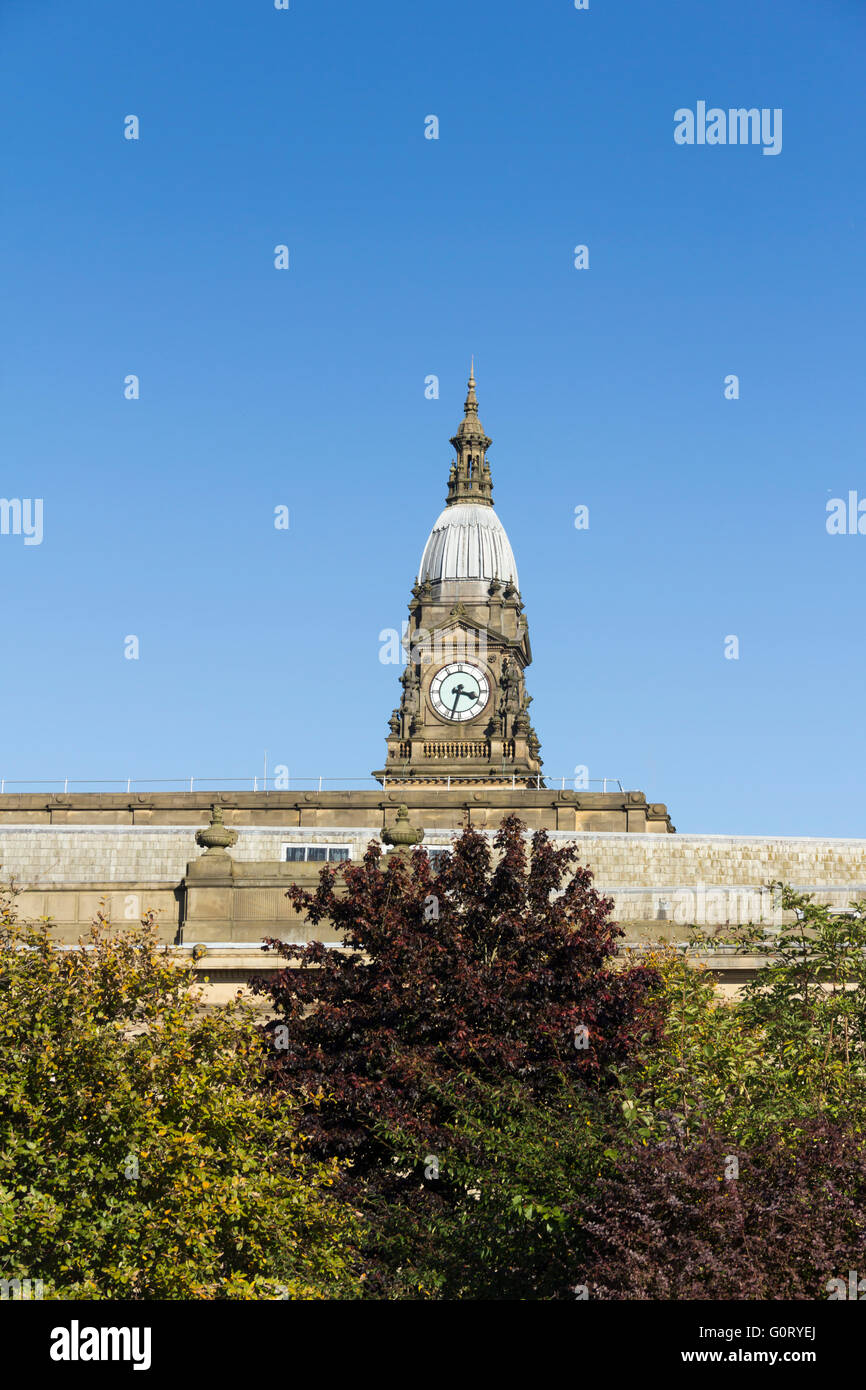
(470, 695)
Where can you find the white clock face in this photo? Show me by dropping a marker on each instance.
(459, 691)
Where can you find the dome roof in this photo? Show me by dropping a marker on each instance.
(468, 542)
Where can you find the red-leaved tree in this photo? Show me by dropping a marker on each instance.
(496, 965)
(679, 1220)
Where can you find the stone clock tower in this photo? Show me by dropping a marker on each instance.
(463, 716)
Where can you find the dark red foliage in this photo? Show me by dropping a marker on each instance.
(472, 967)
(670, 1225)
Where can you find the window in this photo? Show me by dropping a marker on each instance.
(434, 855)
(315, 854)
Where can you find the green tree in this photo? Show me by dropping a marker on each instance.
(809, 1001)
(791, 1048)
(140, 1156)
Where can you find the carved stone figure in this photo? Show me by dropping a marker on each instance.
(509, 698)
(410, 704)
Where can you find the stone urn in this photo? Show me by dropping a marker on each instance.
(216, 838)
(402, 835)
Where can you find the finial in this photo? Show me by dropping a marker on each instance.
(469, 478)
(470, 408)
(403, 834)
(216, 838)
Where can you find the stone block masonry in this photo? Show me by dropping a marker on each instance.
(660, 883)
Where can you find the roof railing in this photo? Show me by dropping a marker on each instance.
(282, 784)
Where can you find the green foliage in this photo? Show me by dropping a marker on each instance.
(487, 1216)
(626, 1189)
(140, 1156)
(810, 1000)
(790, 1048)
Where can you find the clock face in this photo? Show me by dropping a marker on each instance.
(459, 691)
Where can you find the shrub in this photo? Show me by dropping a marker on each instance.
(140, 1156)
(669, 1223)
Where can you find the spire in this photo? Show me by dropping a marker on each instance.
(470, 405)
(469, 479)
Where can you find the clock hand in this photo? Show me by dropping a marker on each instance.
(469, 694)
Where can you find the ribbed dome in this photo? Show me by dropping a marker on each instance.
(468, 542)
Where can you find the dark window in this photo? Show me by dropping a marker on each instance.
(316, 854)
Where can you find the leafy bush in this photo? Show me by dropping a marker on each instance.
(790, 1048)
(671, 1223)
(140, 1156)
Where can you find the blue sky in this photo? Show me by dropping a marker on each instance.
(305, 387)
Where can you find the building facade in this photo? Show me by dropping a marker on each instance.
(461, 750)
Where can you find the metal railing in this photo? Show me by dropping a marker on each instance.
(261, 783)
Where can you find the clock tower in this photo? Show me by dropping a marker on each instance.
(463, 716)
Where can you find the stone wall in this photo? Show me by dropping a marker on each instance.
(659, 883)
(445, 808)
